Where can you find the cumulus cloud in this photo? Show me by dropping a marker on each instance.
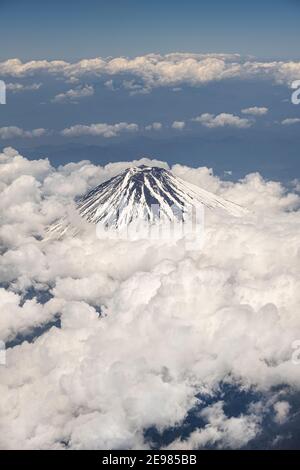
(12, 132)
(220, 431)
(290, 121)
(155, 126)
(100, 129)
(19, 87)
(179, 125)
(161, 70)
(73, 95)
(255, 111)
(135, 88)
(223, 120)
(124, 326)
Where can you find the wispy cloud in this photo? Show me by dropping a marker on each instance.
(73, 95)
(290, 121)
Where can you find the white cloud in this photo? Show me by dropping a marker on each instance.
(100, 129)
(12, 132)
(16, 319)
(156, 70)
(14, 165)
(296, 184)
(223, 120)
(73, 95)
(255, 111)
(282, 410)
(179, 125)
(155, 126)
(220, 430)
(135, 88)
(19, 87)
(290, 121)
(175, 322)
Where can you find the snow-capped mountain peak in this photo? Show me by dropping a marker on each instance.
(148, 193)
(144, 194)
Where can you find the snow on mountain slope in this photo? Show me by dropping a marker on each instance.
(148, 194)
(134, 192)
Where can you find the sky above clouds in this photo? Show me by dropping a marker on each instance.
(91, 28)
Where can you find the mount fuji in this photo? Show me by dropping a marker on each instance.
(147, 194)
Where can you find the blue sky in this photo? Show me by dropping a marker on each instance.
(61, 29)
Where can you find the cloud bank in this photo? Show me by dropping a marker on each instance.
(130, 334)
(155, 70)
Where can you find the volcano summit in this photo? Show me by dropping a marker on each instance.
(145, 194)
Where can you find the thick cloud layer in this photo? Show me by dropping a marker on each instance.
(160, 70)
(125, 335)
